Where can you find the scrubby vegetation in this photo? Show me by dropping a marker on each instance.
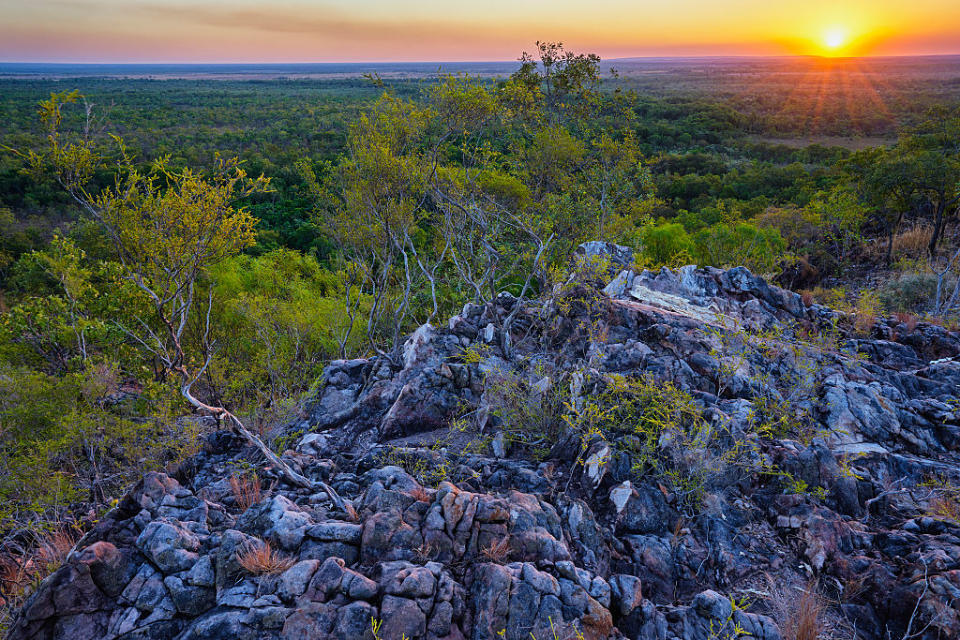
(198, 259)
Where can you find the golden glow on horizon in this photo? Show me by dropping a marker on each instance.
(384, 30)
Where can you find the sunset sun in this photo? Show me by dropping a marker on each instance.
(835, 39)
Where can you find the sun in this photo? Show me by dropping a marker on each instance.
(834, 39)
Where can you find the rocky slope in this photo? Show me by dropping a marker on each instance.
(461, 493)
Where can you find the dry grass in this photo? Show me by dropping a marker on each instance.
(14, 578)
(351, 511)
(246, 490)
(800, 613)
(263, 559)
(21, 573)
(863, 322)
(908, 319)
(807, 298)
(425, 552)
(54, 547)
(497, 550)
(912, 242)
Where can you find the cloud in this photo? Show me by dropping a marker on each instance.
(326, 23)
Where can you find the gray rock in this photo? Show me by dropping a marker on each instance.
(401, 617)
(294, 581)
(189, 600)
(169, 546)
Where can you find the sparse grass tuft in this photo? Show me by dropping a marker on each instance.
(908, 319)
(246, 490)
(800, 616)
(351, 511)
(263, 560)
(20, 574)
(497, 550)
(54, 547)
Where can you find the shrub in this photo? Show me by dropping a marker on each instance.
(81, 436)
(282, 319)
(834, 297)
(944, 507)
(908, 292)
(944, 501)
(666, 244)
(867, 309)
(660, 426)
(528, 414)
(798, 227)
(739, 243)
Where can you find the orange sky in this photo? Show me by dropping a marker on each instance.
(450, 30)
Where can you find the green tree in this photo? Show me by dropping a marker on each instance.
(933, 149)
(168, 227)
(564, 81)
(885, 181)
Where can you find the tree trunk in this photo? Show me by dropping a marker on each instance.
(222, 414)
(937, 228)
(890, 244)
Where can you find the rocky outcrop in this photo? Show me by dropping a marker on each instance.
(832, 458)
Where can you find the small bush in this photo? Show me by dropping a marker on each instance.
(666, 244)
(944, 502)
(866, 311)
(835, 297)
(739, 243)
(944, 507)
(908, 293)
(528, 415)
(660, 426)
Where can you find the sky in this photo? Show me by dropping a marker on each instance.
(452, 30)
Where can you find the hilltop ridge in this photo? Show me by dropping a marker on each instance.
(663, 455)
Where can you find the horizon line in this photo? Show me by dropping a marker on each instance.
(368, 62)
